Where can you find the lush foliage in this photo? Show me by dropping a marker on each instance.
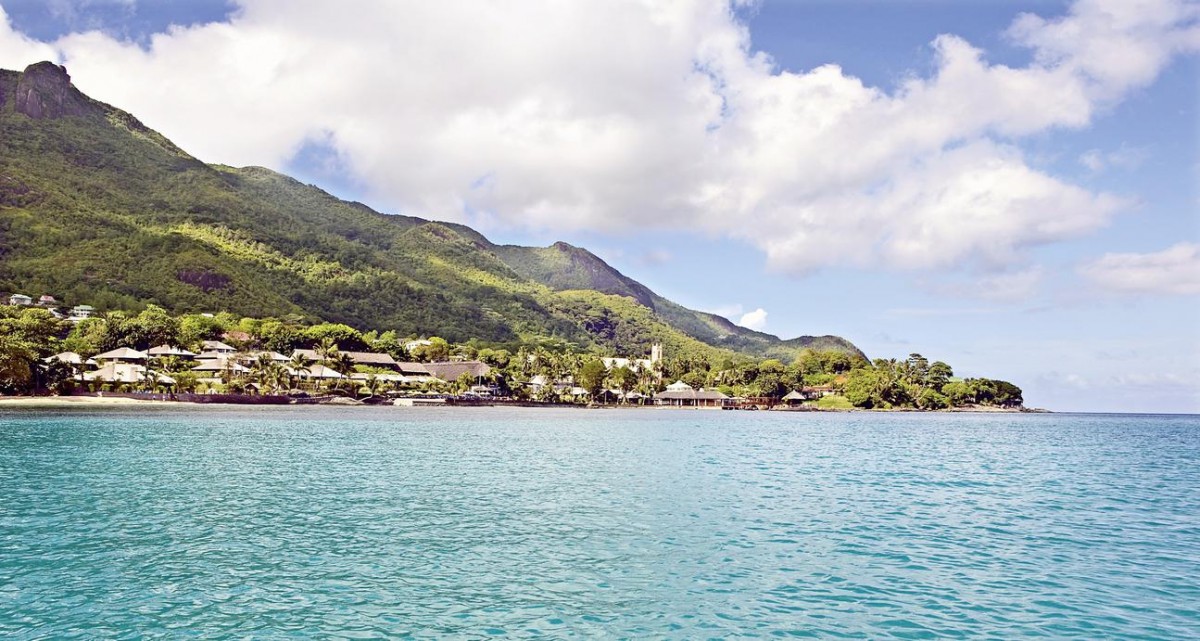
(98, 209)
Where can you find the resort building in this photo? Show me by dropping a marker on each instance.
(217, 347)
(121, 354)
(638, 364)
(414, 372)
(163, 351)
(19, 299)
(680, 394)
(452, 371)
(118, 372)
(70, 358)
(369, 359)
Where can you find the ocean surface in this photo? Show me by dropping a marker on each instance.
(223, 523)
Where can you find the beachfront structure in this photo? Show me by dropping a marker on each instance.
(680, 394)
(814, 392)
(414, 372)
(369, 359)
(19, 299)
(794, 397)
(221, 365)
(635, 364)
(453, 370)
(118, 372)
(319, 372)
(121, 354)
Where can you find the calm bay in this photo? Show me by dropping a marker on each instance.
(225, 522)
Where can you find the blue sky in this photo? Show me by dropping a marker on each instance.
(1007, 186)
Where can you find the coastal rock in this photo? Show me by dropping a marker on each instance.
(44, 90)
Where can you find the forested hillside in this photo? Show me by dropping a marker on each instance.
(96, 208)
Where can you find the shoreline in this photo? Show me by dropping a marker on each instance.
(117, 401)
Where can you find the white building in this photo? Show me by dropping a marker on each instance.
(637, 365)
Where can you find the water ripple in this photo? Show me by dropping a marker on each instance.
(367, 523)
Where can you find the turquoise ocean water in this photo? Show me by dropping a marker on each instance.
(220, 523)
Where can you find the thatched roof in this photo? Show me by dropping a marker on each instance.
(691, 395)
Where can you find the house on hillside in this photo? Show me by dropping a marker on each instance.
(19, 299)
(422, 342)
(163, 351)
(46, 300)
(81, 312)
(217, 347)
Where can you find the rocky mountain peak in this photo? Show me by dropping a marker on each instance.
(44, 90)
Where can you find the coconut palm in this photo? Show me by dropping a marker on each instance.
(327, 350)
(298, 365)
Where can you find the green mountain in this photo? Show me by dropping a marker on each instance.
(97, 208)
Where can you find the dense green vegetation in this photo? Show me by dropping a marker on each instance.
(98, 209)
(30, 334)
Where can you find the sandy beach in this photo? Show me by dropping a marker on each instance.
(70, 401)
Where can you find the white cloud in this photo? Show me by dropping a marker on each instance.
(1172, 271)
(1123, 158)
(1007, 286)
(756, 320)
(18, 51)
(643, 114)
(654, 257)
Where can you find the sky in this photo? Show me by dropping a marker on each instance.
(1010, 186)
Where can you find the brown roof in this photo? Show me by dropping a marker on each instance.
(412, 369)
(450, 371)
(376, 359)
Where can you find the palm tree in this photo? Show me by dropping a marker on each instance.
(269, 374)
(298, 366)
(327, 349)
(372, 384)
(341, 363)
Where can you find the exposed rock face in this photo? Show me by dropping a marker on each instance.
(7, 79)
(45, 91)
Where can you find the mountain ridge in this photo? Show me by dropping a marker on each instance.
(97, 204)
